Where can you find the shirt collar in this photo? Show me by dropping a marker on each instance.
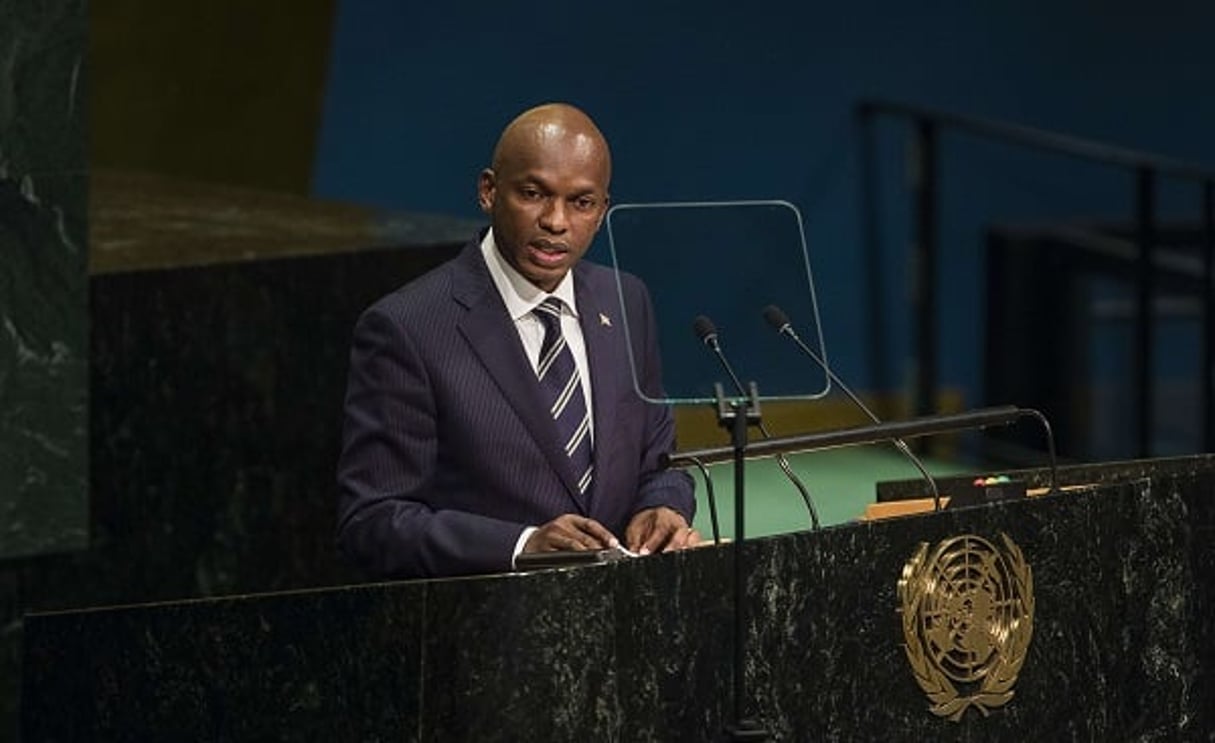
(520, 295)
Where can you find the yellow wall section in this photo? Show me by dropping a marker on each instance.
(697, 424)
(222, 91)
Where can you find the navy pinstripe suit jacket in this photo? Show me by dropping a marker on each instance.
(448, 450)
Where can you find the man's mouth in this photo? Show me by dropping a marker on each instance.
(546, 246)
(548, 253)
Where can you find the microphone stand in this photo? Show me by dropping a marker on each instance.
(735, 416)
(880, 432)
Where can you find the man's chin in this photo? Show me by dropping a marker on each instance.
(547, 277)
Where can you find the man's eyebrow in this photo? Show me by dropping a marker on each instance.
(532, 178)
(537, 180)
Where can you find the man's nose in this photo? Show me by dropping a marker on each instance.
(554, 218)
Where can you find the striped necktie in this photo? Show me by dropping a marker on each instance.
(561, 388)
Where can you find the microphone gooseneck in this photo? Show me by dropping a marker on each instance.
(706, 331)
(704, 474)
(777, 318)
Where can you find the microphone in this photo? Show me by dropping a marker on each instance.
(706, 331)
(777, 318)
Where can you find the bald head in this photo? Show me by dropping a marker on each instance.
(546, 191)
(547, 126)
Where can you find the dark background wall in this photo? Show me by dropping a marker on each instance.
(726, 100)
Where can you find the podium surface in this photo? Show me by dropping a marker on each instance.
(1122, 644)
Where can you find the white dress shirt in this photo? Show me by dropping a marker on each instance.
(522, 296)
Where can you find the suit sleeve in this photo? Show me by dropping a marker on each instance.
(658, 486)
(390, 517)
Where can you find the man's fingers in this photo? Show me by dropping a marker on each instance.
(571, 532)
(683, 538)
(640, 528)
(634, 534)
(597, 531)
(659, 536)
(659, 529)
(649, 531)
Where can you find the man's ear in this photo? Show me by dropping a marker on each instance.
(607, 205)
(486, 190)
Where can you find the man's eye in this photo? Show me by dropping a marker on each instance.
(585, 203)
(530, 194)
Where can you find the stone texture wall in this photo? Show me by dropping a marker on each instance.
(43, 285)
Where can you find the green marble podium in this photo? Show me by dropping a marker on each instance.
(1123, 642)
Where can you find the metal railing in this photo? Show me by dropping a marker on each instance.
(1147, 170)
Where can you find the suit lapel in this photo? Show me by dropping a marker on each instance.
(603, 336)
(494, 339)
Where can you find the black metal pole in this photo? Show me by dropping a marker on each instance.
(1144, 291)
(739, 439)
(971, 420)
(924, 297)
(744, 413)
(871, 433)
(1208, 316)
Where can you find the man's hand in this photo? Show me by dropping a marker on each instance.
(570, 532)
(659, 528)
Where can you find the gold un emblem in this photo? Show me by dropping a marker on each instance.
(968, 616)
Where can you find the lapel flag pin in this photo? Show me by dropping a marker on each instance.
(605, 320)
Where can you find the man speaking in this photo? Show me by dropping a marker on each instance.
(490, 408)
